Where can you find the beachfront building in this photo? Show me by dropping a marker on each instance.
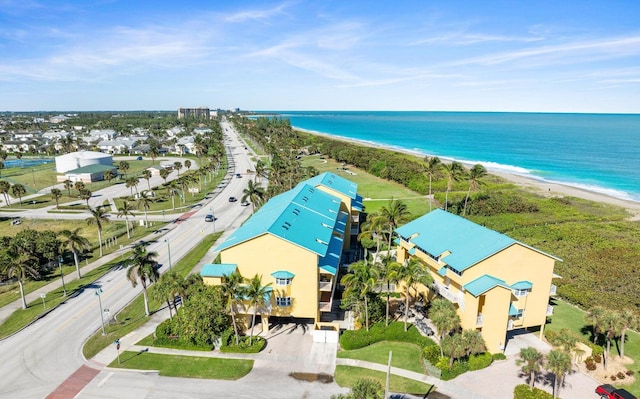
(196, 113)
(295, 243)
(498, 284)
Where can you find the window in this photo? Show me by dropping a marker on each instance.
(283, 301)
(283, 281)
(519, 314)
(520, 293)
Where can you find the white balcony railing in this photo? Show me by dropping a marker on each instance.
(324, 285)
(549, 310)
(553, 289)
(325, 306)
(444, 291)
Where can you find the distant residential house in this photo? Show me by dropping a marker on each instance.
(202, 130)
(24, 136)
(88, 174)
(55, 135)
(174, 131)
(58, 118)
(184, 145)
(19, 145)
(496, 283)
(123, 145)
(101, 135)
(155, 170)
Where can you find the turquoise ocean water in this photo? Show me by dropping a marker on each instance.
(597, 152)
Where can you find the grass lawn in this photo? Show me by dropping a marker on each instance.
(132, 316)
(185, 366)
(405, 355)
(375, 191)
(20, 318)
(571, 317)
(346, 376)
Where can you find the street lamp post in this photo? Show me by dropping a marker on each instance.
(64, 289)
(168, 251)
(98, 293)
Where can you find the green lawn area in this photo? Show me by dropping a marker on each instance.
(571, 317)
(346, 376)
(21, 318)
(132, 316)
(375, 191)
(405, 355)
(185, 366)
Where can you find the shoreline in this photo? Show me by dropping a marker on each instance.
(540, 187)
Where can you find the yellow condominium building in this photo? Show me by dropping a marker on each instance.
(295, 242)
(497, 283)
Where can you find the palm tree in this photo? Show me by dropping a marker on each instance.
(394, 214)
(373, 227)
(187, 164)
(76, 243)
(79, 186)
(594, 317)
(433, 170)
(124, 167)
(22, 266)
(559, 363)
(475, 174)
(444, 317)
(261, 169)
(628, 319)
(611, 326)
(68, 184)
(56, 194)
(109, 175)
(453, 345)
(145, 200)
(132, 182)
(232, 292)
(257, 295)
(142, 268)
(125, 210)
(98, 217)
(5, 186)
(473, 342)
(454, 172)
(177, 166)
(85, 194)
(146, 174)
(412, 274)
(359, 282)
(255, 193)
(389, 272)
(531, 361)
(154, 153)
(164, 173)
(18, 190)
(164, 290)
(172, 191)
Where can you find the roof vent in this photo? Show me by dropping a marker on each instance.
(321, 242)
(296, 211)
(285, 227)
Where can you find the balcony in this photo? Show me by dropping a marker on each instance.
(324, 286)
(479, 320)
(324, 304)
(444, 292)
(552, 290)
(549, 310)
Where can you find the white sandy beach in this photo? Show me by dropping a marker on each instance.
(538, 186)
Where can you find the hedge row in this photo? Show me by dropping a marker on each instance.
(356, 339)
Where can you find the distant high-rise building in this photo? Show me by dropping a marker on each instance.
(198, 113)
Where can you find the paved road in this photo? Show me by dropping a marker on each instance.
(39, 358)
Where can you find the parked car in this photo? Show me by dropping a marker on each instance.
(208, 218)
(232, 199)
(139, 159)
(238, 175)
(246, 203)
(607, 391)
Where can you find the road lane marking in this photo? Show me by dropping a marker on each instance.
(104, 380)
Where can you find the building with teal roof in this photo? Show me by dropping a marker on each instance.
(295, 243)
(497, 283)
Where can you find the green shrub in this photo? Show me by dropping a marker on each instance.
(499, 356)
(596, 351)
(459, 367)
(356, 339)
(431, 353)
(523, 391)
(480, 361)
(589, 363)
(243, 346)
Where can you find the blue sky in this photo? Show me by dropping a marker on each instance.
(555, 56)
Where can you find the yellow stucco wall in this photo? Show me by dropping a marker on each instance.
(513, 264)
(212, 280)
(266, 254)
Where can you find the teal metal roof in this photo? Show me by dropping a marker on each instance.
(522, 285)
(442, 271)
(337, 183)
(468, 243)
(282, 274)
(483, 284)
(331, 260)
(357, 203)
(218, 269)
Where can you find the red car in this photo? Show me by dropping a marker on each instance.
(607, 391)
